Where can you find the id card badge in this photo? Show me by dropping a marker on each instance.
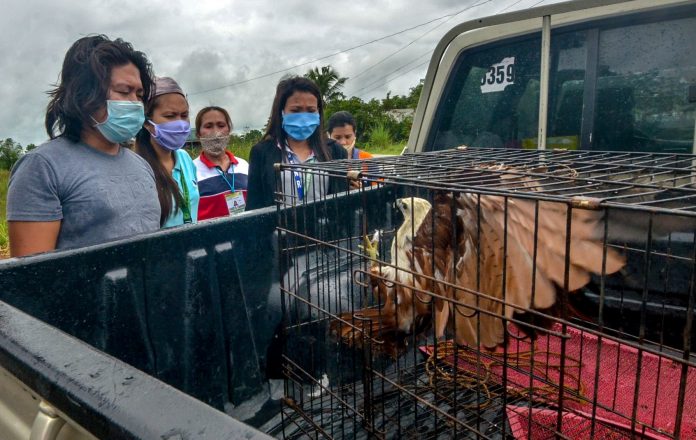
(235, 202)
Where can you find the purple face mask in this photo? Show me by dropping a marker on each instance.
(172, 135)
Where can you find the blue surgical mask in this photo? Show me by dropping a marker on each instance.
(124, 120)
(172, 135)
(300, 126)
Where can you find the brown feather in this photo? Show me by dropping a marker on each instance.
(489, 240)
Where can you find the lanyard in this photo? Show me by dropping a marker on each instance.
(231, 185)
(297, 176)
(186, 209)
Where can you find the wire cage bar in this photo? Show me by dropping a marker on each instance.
(489, 294)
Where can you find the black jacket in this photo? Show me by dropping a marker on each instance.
(262, 179)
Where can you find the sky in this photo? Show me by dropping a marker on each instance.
(215, 49)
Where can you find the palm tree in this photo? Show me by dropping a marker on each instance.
(329, 82)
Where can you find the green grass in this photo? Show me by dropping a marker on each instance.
(380, 137)
(392, 150)
(4, 241)
(240, 149)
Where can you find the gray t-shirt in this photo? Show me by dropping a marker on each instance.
(99, 197)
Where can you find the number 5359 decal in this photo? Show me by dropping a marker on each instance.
(499, 76)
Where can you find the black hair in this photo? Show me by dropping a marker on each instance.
(286, 87)
(339, 119)
(168, 192)
(84, 83)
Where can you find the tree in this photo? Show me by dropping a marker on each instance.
(10, 152)
(372, 118)
(414, 94)
(366, 114)
(252, 136)
(396, 101)
(329, 82)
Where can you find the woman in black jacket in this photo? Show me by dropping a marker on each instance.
(295, 134)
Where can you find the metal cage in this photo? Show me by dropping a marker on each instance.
(506, 294)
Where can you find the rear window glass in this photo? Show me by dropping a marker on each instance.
(643, 81)
(492, 99)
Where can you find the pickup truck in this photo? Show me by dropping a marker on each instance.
(178, 334)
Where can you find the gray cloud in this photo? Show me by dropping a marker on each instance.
(205, 44)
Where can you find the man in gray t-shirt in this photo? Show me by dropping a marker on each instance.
(96, 196)
(82, 187)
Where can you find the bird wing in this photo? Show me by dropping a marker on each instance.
(479, 268)
(494, 256)
(514, 251)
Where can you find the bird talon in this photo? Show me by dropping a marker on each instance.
(369, 247)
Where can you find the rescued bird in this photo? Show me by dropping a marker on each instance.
(483, 257)
(389, 282)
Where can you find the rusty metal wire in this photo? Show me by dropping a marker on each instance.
(446, 357)
(648, 181)
(596, 364)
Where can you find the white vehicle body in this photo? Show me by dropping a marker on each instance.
(587, 74)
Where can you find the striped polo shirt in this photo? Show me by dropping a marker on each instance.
(214, 184)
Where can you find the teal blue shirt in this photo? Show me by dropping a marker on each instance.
(184, 172)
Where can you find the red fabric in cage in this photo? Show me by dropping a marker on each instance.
(541, 425)
(614, 380)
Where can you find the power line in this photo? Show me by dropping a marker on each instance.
(318, 59)
(394, 53)
(398, 76)
(392, 72)
(266, 75)
(510, 6)
(451, 16)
